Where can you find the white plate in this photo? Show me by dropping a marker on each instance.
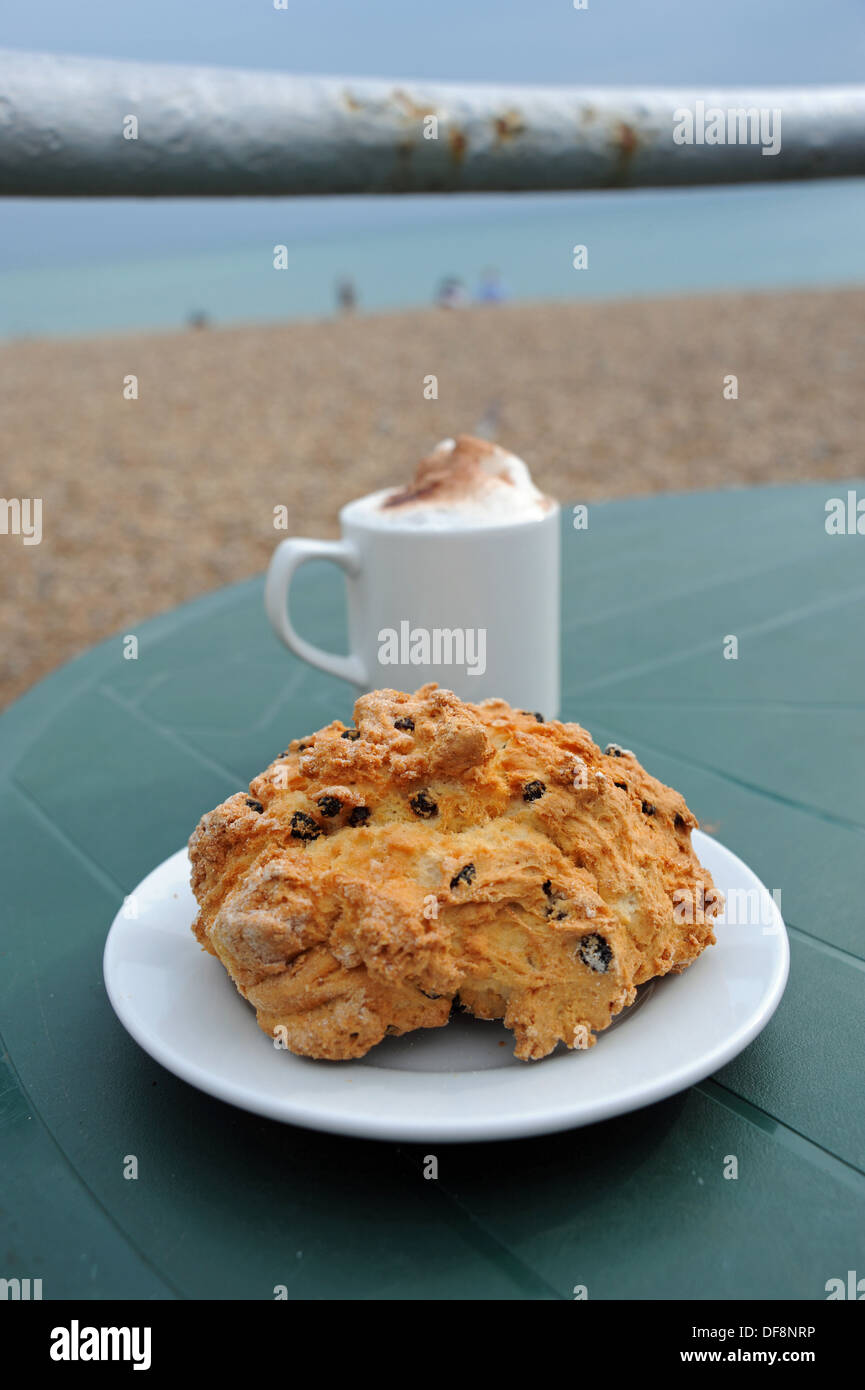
(452, 1083)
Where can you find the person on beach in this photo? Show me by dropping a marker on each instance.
(346, 295)
(451, 293)
(491, 290)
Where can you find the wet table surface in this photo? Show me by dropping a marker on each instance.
(108, 764)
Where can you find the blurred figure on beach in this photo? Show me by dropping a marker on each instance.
(346, 295)
(490, 289)
(451, 293)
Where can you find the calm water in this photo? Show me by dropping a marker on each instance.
(638, 244)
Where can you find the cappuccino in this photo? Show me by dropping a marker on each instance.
(463, 482)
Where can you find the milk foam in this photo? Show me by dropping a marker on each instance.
(463, 482)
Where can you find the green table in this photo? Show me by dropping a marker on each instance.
(107, 765)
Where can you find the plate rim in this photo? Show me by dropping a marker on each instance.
(465, 1128)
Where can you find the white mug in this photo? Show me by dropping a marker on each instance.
(475, 608)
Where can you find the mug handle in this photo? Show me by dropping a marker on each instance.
(287, 558)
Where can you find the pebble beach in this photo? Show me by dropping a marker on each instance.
(153, 500)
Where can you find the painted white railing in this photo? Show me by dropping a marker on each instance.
(79, 126)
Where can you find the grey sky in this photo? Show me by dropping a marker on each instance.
(649, 41)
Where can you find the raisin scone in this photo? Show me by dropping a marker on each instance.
(440, 851)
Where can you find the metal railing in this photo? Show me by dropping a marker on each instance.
(78, 126)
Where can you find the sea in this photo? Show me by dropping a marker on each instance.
(88, 267)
